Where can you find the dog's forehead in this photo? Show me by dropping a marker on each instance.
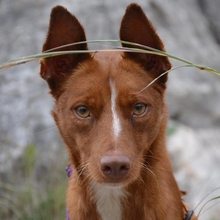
(95, 75)
(122, 71)
(107, 60)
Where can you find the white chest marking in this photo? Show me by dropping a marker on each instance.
(116, 126)
(108, 201)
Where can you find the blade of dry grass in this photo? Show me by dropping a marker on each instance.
(136, 49)
(210, 200)
(164, 73)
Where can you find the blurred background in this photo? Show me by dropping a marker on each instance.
(32, 156)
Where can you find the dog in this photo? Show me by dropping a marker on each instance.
(111, 122)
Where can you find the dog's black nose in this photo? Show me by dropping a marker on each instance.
(115, 166)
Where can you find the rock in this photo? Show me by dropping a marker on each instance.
(196, 155)
(210, 9)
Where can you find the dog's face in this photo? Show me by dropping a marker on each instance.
(106, 117)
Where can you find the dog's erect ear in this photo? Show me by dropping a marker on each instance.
(135, 27)
(64, 29)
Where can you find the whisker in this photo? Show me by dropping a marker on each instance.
(80, 170)
(83, 168)
(48, 129)
(148, 170)
(86, 179)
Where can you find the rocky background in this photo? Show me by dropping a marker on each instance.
(190, 29)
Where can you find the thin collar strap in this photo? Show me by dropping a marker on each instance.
(68, 172)
(189, 214)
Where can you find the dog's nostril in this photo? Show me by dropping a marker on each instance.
(124, 168)
(107, 169)
(115, 166)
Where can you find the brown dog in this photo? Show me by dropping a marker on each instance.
(114, 129)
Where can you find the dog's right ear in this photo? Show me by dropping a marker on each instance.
(64, 29)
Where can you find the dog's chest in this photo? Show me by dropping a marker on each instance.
(108, 201)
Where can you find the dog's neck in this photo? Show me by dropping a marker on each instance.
(108, 200)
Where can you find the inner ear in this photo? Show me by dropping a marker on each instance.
(136, 28)
(64, 29)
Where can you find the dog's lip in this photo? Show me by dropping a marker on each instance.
(110, 184)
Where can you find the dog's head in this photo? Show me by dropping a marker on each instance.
(107, 118)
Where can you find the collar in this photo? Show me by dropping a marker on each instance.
(68, 172)
(188, 213)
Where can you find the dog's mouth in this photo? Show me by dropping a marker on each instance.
(106, 187)
(112, 181)
(113, 185)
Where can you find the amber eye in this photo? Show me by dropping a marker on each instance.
(139, 109)
(82, 111)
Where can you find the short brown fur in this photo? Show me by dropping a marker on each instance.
(83, 80)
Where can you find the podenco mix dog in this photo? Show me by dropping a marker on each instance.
(113, 126)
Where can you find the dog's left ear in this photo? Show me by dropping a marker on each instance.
(136, 28)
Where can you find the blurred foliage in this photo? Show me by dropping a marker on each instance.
(171, 129)
(29, 158)
(25, 196)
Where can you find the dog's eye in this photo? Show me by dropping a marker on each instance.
(82, 111)
(139, 109)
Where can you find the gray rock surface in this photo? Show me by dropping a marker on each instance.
(193, 96)
(195, 155)
(210, 9)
